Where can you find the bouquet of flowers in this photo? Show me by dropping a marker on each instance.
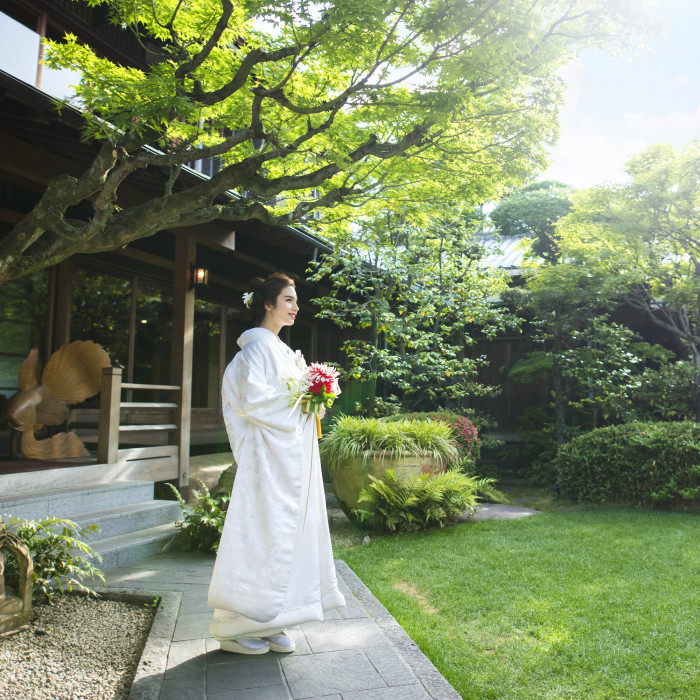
(317, 387)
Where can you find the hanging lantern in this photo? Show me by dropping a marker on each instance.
(15, 610)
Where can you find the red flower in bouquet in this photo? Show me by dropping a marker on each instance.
(321, 387)
(323, 380)
(318, 386)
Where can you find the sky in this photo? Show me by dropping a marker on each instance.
(618, 106)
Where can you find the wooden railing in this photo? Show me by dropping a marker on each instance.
(163, 459)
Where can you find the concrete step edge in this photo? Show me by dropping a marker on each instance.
(94, 516)
(26, 497)
(136, 538)
(133, 517)
(64, 503)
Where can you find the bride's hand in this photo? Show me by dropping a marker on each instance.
(322, 411)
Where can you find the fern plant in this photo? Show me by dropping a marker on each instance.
(421, 502)
(203, 522)
(60, 554)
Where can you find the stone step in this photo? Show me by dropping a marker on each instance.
(125, 549)
(61, 503)
(120, 520)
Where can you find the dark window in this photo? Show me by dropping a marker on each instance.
(206, 364)
(101, 312)
(23, 324)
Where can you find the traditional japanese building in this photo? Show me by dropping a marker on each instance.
(168, 334)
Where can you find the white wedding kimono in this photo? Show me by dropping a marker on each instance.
(274, 567)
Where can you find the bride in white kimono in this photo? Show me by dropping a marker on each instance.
(274, 568)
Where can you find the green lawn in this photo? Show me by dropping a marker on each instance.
(592, 603)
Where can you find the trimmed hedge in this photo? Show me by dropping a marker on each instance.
(641, 463)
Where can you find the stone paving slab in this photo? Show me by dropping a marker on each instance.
(358, 653)
(498, 511)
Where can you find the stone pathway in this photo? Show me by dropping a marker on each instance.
(496, 511)
(362, 653)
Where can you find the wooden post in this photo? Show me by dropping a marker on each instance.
(182, 349)
(222, 348)
(41, 31)
(64, 293)
(108, 428)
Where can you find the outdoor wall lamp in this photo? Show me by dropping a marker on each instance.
(199, 276)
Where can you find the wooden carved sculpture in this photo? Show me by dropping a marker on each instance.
(72, 374)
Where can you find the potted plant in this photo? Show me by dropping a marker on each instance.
(356, 448)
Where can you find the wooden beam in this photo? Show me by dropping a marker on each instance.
(147, 428)
(158, 387)
(222, 345)
(143, 404)
(9, 216)
(265, 266)
(147, 452)
(142, 256)
(64, 300)
(108, 427)
(182, 350)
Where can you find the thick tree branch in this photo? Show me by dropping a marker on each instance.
(178, 157)
(197, 61)
(672, 326)
(253, 58)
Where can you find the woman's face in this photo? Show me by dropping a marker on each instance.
(285, 310)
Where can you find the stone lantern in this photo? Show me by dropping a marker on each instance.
(15, 610)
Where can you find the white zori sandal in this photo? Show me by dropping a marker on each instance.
(281, 643)
(245, 645)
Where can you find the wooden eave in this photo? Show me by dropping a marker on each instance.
(30, 116)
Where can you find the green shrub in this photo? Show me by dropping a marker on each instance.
(641, 463)
(60, 555)
(420, 502)
(353, 437)
(666, 393)
(200, 530)
(389, 406)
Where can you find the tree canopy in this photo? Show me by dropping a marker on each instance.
(642, 239)
(533, 212)
(307, 106)
(419, 295)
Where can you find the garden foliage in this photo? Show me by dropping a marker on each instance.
(413, 289)
(301, 106)
(354, 437)
(420, 502)
(464, 431)
(203, 522)
(640, 463)
(641, 240)
(60, 555)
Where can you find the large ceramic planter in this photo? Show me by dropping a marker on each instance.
(350, 476)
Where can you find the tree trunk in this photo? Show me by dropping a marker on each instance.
(374, 341)
(696, 381)
(559, 402)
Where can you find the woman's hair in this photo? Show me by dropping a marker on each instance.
(266, 291)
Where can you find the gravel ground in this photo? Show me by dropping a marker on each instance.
(78, 649)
